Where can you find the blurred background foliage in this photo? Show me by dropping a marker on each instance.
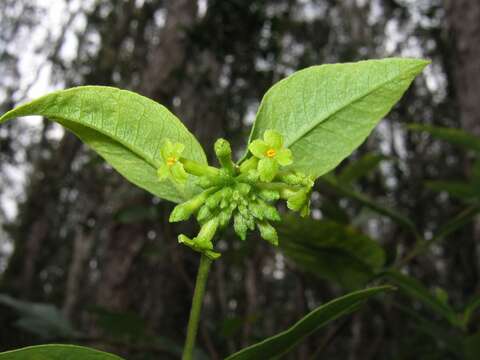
(87, 258)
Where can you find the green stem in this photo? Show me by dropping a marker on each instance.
(196, 308)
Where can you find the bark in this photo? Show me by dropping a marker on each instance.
(464, 23)
(464, 20)
(39, 209)
(82, 246)
(160, 76)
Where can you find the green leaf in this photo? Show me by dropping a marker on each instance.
(57, 352)
(325, 112)
(283, 342)
(330, 250)
(124, 128)
(416, 290)
(359, 168)
(43, 320)
(453, 136)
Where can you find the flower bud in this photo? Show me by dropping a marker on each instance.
(224, 217)
(224, 154)
(240, 226)
(248, 165)
(204, 214)
(269, 195)
(183, 211)
(207, 232)
(208, 252)
(268, 232)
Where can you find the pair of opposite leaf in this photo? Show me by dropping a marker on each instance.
(324, 113)
(246, 193)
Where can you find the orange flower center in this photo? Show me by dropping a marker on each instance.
(271, 153)
(171, 160)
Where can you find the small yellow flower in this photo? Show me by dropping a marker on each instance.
(172, 168)
(271, 153)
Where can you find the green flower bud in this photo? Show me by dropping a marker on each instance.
(242, 209)
(240, 226)
(243, 188)
(268, 232)
(296, 178)
(183, 211)
(250, 221)
(256, 210)
(207, 232)
(224, 155)
(213, 201)
(204, 214)
(249, 165)
(269, 195)
(224, 217)
(197, 169)
(299, 201)
(212, 255)
(270, 212)
(220, 179)
(203, 241)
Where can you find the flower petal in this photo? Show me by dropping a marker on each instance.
(166, 149)
(267, 168)
(273, 139)
(258, 148)
(163, 172)
(177, 149)
(284, 157)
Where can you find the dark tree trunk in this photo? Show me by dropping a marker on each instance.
(464, 23)
(464, 19)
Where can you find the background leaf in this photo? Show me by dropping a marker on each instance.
(359, 168)
(125, 128)
(325, 112)
(281, 343)
(453, 136)
(416, 290)
(330, 250)
(44, 320)
(57, 352)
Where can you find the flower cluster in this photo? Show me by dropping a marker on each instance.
(245, 193)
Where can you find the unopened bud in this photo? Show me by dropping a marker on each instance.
(183, 211)
(240, 226)
(268, 232)
(224, 155)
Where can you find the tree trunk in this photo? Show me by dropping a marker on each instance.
(464, 23)
(464, 20)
